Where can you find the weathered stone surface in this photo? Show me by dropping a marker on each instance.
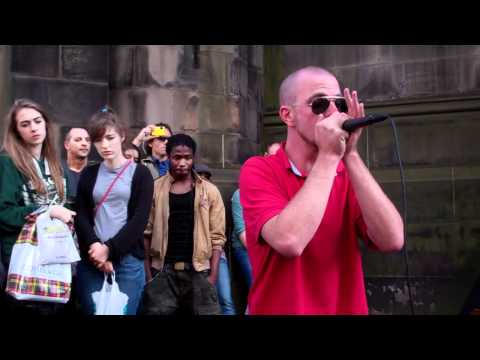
(163, 63)
(188, 73)
(471, 74)
(209, 148)
(232, 149)
(464, 135)
(421, 143)
(255, 57)
(228, 49)
(5, 84)
(186, 109)
(273, 74)
(250, 128)
(434, 249)
(373, 82)
(403, 53)
(237, 84)
(362, 54)
(298, 56)
(426, 200)
(431, 296)
(467, 195)
(85, 62)
(121, 66)
(419, 79)
(218, 113)
(71, 103)
(213, 72)
(38, 60)
(448, 76)
(130, 106)
(141, 106)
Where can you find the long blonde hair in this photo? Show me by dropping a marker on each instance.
(16, 148)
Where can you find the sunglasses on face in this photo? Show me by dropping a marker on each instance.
(161, 138)
(320, 105)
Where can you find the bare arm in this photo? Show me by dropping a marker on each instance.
(291, 231)
(143, 135)
(243, 238)
(384, 223)
(215, 259)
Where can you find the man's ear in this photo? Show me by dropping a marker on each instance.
(286, 115)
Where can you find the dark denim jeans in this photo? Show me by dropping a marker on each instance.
(224, 288)
(241, 255)
(173, 292)
(129, 274)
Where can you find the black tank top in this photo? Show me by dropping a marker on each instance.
(180, 227)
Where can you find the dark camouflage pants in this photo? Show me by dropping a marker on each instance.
(180, 292)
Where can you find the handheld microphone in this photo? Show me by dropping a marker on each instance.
(353, 124)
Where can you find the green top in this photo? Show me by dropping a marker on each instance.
(18, 199)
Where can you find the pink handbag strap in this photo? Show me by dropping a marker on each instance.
(104, 197)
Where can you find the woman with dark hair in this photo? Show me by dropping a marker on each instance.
(113, 204)
(31, 177)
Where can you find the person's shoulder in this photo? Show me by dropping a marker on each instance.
(90, 170)
(147, 160)
(236, 195)
(142, 170)
(6, 163)
(160, 181)
(210, 187)
(264, 166)
(5, 159)
(255, 161)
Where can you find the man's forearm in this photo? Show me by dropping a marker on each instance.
(291, 231)
(384, 223)
(243, 238)
(214, 260)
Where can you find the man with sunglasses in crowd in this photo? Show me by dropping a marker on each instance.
(151, 144)
(305, 206)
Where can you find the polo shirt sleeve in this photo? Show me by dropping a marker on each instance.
(260, 195)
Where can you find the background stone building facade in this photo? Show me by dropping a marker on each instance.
(225, 96)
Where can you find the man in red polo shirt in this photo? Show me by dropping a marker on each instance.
(305, 206)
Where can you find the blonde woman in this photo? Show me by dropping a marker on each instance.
(31, 176)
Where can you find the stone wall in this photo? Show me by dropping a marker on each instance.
(217, 99)
(5, 85)
(70, 81)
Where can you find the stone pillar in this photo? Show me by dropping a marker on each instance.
(5, 85)
(212, 92)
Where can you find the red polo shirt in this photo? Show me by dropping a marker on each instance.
(328, 277)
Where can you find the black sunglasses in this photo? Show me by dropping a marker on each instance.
(320, 105)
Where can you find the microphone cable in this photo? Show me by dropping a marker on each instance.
(404, 212)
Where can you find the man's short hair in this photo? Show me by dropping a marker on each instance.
(181, 139)
(68, 135)
(287, 92)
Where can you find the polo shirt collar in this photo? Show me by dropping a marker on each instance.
(290, 165)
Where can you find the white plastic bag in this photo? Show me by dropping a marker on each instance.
(110, 300)
(29, 281)
(55, 241)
